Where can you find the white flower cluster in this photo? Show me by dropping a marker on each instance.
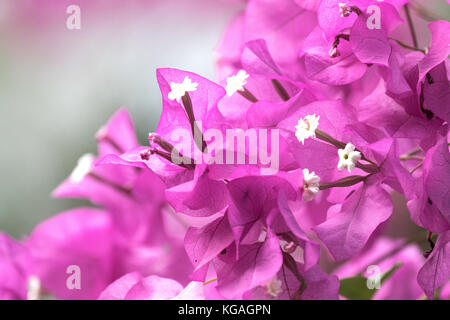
(348, 157)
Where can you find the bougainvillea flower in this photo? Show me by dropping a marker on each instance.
(436, 173)
(350, 225)
(313, 284)
(188, 181)
(354, 119)
(256, 264)
(337, 15)
(205, 243)
(283, 25)
(428, 185)
(135, 201)
(14, 273)
(371, 45)
(108, 186)
(79, 237)
(339, 69)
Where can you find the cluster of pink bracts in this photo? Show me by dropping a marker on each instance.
(358, 115)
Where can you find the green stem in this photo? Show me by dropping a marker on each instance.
(404, 45)
(411, 27)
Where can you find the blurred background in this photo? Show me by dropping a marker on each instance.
(58, 86)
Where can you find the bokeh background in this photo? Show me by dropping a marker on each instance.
(58, 86)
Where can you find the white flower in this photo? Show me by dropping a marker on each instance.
(178, 90)
(273, 287)
(33, 288)
(348, 157)
(310, 185)
(306, 127)
(83, 167)
(236, 82)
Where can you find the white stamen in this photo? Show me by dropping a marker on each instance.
(151, 137)
(83, 167)
(236, 82)
(348, 157)
(273, 287)
(310, 185)
(306, 127)
(178, 90)
(33, 288)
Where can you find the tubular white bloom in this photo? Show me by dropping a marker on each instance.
(83, 167)
(273, 287)
(178, 90)
(33, 288)
(306, 127)
(310, 185)
(348, 157)
(236, 82)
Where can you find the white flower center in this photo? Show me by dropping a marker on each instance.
(83, 167)
(273, 287)
(178, 90)
(306, 127)
(348, 157)
(310, 185)
(236, 82)
(33, 288)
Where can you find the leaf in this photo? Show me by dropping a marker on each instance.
(355, 288)
(390, 272)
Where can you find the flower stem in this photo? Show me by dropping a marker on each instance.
(369, 168)
(416, 167)
(248, 95)
(187, 103)
(125, 190)
(280, 90)
(410, 154)
(209, 281)
(327, 138)
(411, 27)
(344, 182)
(404, 45)
(372, 168)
